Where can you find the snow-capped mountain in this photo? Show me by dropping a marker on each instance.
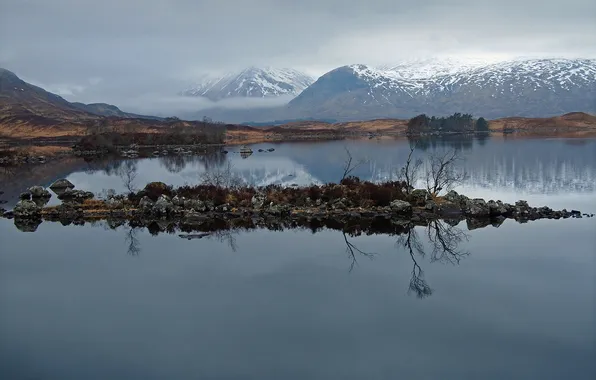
(252, 82)
(523, 87)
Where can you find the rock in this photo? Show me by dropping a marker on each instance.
(62, 184)
(39, 192)
(453, 197)
(163, 206)
(178, 201)
(114, 203)
(258, 200)
(339, 205)
(401, 207)
(78, 196)
(146, 204)
(496, 208)
(25, 196)
(26, 209)
(430, 205)
(476, 207)
(194, 204)
(418, 197)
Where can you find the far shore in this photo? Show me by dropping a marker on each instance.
(56, 141)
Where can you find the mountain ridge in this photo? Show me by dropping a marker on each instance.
(252, 82)
(531, 87)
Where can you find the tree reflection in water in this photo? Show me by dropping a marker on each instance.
(443, 238)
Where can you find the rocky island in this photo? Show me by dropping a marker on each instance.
(207, 207)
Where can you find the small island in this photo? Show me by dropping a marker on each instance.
(209, 207)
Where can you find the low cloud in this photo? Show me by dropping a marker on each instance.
(119, 51)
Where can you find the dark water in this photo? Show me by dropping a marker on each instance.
(514, 302)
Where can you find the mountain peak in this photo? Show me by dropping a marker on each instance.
(252, 82)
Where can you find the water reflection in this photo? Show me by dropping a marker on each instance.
(494, 167)
(437, 241)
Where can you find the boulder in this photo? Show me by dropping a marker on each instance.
(453, 197)
(194, 204)
(146, 204)
(114, 203)
(418, 197)
(163, 206)
(39, 192)
(401, 207)
(62, 184)
(26, 209)
(496, 208)
(78, 196)
(476, 207)
(258, 200)
(178, 201)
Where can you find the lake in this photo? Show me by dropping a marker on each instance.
(518, 302)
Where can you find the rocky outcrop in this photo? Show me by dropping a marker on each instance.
(39, 192)
(258, 200)
(26, 209)
(418, 197)
(78, 196)
(401, 207)
(163, 206)
(62, 184)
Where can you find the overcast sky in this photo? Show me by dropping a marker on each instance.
(124, 51)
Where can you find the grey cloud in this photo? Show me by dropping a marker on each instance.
(141, 47)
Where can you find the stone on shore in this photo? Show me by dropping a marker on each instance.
(418, 197)
(77, 196)
(39, 192)
(163, 206)
(258, 200)
(401, 207)
(26, 209)
(62, 184)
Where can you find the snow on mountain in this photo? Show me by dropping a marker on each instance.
(252, 82)
(520, 87)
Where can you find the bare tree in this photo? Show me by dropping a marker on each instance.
(222, 176)
(441, 173)
(128, 173)
(350, 165)
(411, 170)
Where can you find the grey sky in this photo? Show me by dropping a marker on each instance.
(122, 51)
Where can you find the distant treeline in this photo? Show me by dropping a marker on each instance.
(457, 122)
(107, 134)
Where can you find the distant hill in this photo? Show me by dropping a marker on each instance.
(20, 100)
(104, 109)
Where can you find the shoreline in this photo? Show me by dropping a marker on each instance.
(35, 151)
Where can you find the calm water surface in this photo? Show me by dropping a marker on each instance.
(91, 302)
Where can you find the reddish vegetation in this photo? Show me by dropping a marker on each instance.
(352, 191)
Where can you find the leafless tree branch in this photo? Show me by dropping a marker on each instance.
(441, 173)
(350, 165)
